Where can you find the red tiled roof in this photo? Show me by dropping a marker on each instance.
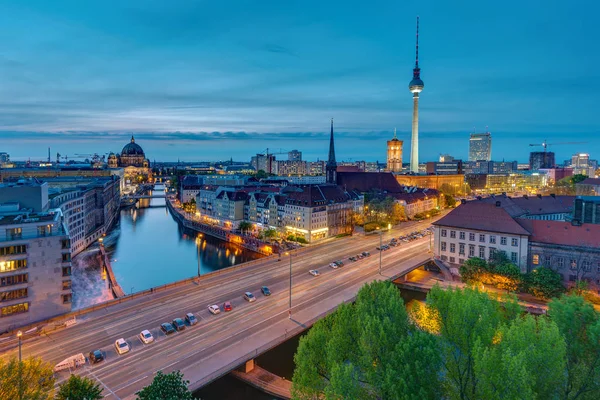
(482, 216)
(533, 205)
(368, 181)
(562, 233)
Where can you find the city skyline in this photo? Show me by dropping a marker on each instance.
(109, 69)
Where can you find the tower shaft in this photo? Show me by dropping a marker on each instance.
(414, 143)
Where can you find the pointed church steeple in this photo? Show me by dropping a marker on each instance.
(331, 166)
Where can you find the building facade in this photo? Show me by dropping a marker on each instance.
(480, 147)
(541, 160)
(294, 155)
(588, 187)
(586, 210)
(35, 268)
(394, 154)
(432, 181)
(133, 161)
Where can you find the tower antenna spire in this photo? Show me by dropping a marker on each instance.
(417, 53)
(395, 133)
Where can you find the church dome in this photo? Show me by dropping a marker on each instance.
(132, 149)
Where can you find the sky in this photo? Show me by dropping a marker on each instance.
(210, 80)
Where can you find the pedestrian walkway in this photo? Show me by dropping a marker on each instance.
(266, 381)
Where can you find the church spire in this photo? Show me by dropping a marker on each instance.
(132, 139)
(331, 166)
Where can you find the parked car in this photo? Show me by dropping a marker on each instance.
(249, 297)
(227, 306)
(353, 258)
(191, 319)
(339, 263)
(314, 272)
(96, 356)
(333, 265)
(146, 337)
(121, 346)
(265, 291)
(167, 328)
(360, 256)
(366, 254)
(214, 309)
(178, 324)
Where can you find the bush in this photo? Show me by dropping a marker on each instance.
(371, 226)
(544, 283)
(504, 276)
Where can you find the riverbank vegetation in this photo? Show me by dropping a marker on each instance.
(460, 344)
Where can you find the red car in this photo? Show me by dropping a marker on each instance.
(227, 306)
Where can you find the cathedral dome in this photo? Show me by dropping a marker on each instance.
(132, 149)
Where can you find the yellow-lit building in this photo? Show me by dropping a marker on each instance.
(394, 154)
(134, 162)
(433, 181)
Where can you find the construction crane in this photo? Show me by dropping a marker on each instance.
(545, 145)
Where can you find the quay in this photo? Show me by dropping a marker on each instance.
(264, 380)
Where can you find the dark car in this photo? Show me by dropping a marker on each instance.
(265, 291)
(339, 263)
(191, 319)
(366, 254)
(178, 324)
(96, 356)
(352, 258)
(167, 328)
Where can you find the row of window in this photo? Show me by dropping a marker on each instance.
(586, 265)
(16, 249)
(481, 253)
(12, 265)
(13, 295)
(482, 237)
(14, 309)
(14, 279)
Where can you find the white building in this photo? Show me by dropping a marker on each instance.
(35, 268)
(479, 229)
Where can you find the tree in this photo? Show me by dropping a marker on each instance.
(468, 321)
(367, 350)
(271, 234)
(261, 174)
(544, 283)
(471, 270)
(34, 378)
(449, 200)
(78, 388)
(579, 323)
(526, 360)
(245, 226)
(170, 386)
(397, 214)
(567, 184)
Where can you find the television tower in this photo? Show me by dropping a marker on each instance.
(415, 86)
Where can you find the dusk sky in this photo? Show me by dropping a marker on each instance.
(81, 76)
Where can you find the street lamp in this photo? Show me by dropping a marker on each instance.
(290, 302)
(198, 242)
(380, 247)
(19, 334)
(101, 240)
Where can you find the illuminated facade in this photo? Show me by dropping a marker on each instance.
(394, 154)
(432, 181)
(480, 147)
(415, 86)
(134, 162)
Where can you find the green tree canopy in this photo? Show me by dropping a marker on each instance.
(34, 379)
(579, 323)
(367, 350)
(245, 226)
(79, 388)
(544, 283)
(170, 386)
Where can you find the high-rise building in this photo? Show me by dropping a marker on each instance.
(415, 86)
(541, 160)
(264, 162)
(446, 158)
(295, 155)
(480, 147)
(4, 158)
(581, 164)
(394, 154)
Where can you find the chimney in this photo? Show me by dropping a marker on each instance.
(498, 204)
(539, 196)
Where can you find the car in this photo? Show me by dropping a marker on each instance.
(360, 256)
(265, 291)
(191, 319)
(333, 265)
(379, 248)
(393, 244)
(146, 337)
(167, 328)
(214, 309)
(96, 356)
(121, 346)
(227, 306)
(249, 297)
(366, 254)
(339, 263)
(314, 272)
(353, 258)
(178, 324)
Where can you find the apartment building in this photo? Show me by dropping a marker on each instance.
(35, 268)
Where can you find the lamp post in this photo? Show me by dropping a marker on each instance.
(430, 235)
(198, 241)
(19, 334)
(290, 301)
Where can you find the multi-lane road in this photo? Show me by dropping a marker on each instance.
(220, 342)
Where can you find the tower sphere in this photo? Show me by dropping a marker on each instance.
(416, 85)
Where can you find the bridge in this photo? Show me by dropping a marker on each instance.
(223, 342)
(146, 196)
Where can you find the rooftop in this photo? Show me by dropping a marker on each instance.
(562, 233)
(24, 218)
(482, 216)
(590, 181)
(368, 181)
(532, 205)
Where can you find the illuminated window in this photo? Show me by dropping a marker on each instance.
(536, 259)
(66, 285)
(12, 265)
(13, 294)
(14, 309)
